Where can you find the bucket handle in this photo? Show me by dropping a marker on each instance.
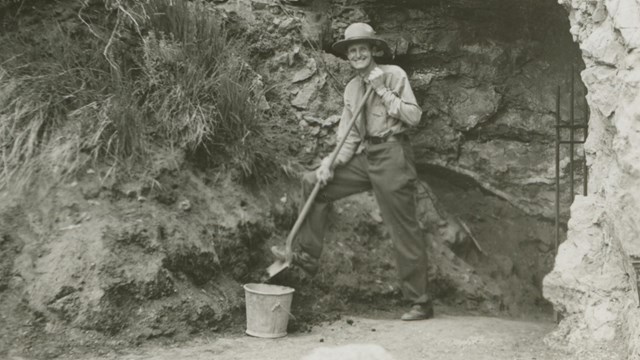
(277, 305)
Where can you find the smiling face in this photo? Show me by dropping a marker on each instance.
(360, 56)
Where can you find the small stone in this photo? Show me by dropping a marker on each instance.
(259, 4)
(375, 215)
(184, 205)
(313, 119)
(306, 72)
(349, 321)
(287, 24)
(331, 120)
(321, 340)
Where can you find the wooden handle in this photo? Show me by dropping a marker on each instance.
(316, 188)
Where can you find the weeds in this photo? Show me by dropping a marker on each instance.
(161, 72)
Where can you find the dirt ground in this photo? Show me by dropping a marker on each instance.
(358, 279)
(446, 337)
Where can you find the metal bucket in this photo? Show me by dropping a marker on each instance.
(268, 309)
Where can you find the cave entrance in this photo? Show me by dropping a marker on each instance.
(487, 76)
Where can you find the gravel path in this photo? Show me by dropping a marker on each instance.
(445, 338)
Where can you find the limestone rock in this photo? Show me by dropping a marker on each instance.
(331, 120)
(474, 106)
(605, 89)
(523, 125)
(602, 45)
(308, 92)
(626, 17)
(605, 276)
(306, 72)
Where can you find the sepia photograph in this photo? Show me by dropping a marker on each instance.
(320, 179)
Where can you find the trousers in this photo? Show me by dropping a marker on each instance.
(388, 169)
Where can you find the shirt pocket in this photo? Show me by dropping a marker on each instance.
(379, 114)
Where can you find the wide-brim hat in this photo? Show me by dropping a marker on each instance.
(359, 32)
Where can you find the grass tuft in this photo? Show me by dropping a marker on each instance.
(162, 73)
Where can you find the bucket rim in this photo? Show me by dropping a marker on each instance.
(287, 290)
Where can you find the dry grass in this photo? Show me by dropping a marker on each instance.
(104, 92)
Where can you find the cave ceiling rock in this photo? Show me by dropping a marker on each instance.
(484, 60)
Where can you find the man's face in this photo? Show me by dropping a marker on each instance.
(360, 55)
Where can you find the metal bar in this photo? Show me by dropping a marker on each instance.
(585, 169)
(572, 142)
(580, 126)
(557, 243)
(556, 315)
(571, 131)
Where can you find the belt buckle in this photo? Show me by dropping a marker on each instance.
(375, 140)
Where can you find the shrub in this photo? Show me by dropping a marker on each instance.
(162, 72)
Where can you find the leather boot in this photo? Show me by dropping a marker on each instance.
(419, 312)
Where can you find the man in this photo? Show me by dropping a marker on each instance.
(376, 155)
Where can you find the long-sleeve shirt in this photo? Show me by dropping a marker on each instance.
(386, 114)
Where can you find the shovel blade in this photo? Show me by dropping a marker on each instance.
(277, 267)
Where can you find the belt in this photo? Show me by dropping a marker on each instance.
(374, 140)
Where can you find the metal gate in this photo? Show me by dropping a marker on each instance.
(571, 125)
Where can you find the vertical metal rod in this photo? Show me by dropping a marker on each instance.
(571, 133)
(556, 316)
(557, 243)
(585, 169)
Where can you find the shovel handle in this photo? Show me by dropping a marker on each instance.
(316, 188)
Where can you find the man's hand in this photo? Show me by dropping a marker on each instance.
(324, 173)
(376, 79)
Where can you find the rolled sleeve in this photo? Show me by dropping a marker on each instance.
(400, 101)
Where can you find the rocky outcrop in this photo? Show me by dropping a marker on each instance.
(135, 259)
(590, 285)
(486, 80)
(608, 35)
(487, 83)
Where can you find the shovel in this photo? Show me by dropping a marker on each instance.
(280, 265)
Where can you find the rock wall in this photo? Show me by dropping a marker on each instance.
(593, 284)
(485, 73)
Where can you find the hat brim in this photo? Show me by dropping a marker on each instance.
(342, 45)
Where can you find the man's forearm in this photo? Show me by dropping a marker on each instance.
(407, 112)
